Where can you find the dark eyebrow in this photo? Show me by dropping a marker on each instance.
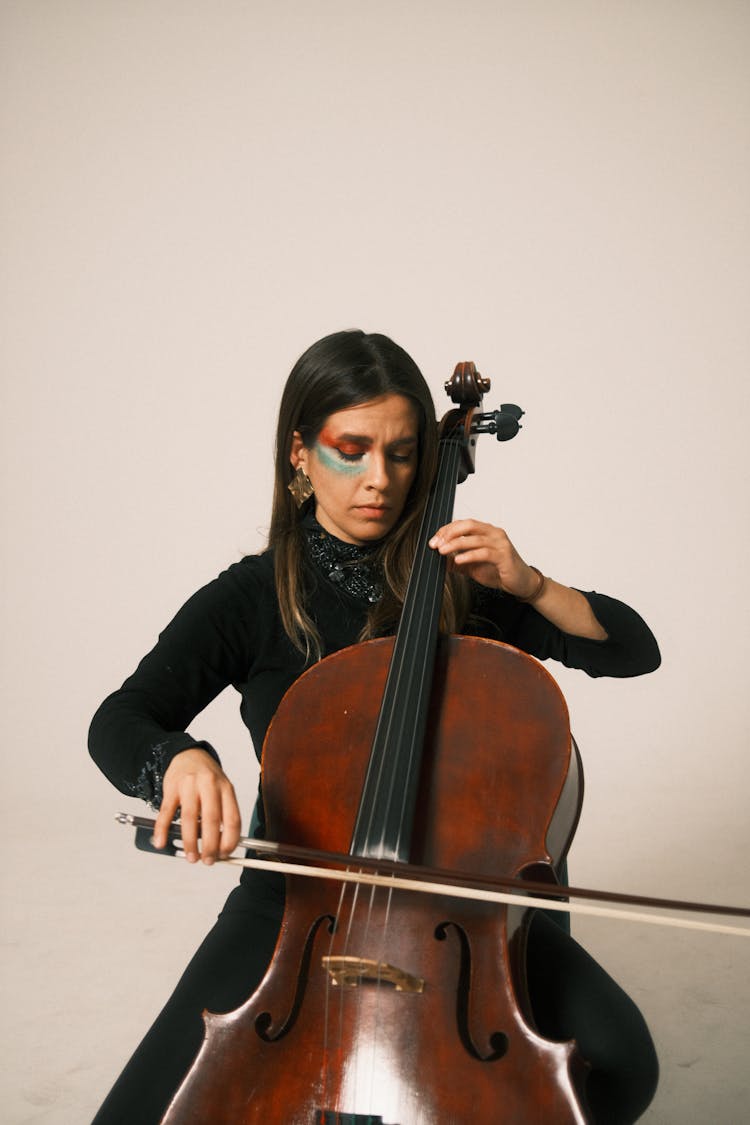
(404, 441)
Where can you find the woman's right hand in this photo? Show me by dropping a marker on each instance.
(197, 785)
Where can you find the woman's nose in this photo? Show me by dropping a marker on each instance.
(377, 472)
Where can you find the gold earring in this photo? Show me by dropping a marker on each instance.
(300, 487)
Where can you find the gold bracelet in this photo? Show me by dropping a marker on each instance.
(539, 590)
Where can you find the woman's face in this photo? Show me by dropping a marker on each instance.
(362, 467)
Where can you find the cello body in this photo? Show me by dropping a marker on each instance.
(388, 1006)
(383, 1006)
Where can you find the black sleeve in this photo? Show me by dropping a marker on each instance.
(138, 730)
(629, 650)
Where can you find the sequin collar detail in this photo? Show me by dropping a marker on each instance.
(350, 567)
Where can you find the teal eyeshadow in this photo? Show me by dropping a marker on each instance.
(328, 458)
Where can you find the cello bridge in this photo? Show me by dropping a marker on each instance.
(349, 972)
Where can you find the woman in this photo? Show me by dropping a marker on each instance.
(355, 456)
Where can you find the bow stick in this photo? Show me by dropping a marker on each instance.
(427, 880)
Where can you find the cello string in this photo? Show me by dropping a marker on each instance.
(411, 620)
(331, 992)
(377, 991)
(406, 656)
(352, 998)
(345, 998)
(404, 659)
(410, 624)
(423, 606)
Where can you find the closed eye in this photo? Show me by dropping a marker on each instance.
(350, 452)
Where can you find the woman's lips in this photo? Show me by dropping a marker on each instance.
(372, 511)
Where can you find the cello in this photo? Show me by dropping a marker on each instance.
(380, 1005)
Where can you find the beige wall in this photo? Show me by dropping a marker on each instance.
(193, 192)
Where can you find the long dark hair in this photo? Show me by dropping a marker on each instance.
(342, 370)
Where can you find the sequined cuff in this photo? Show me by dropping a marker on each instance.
(149, 783)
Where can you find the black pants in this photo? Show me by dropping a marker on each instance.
(571, 995)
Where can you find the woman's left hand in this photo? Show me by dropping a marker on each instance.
(486, 554)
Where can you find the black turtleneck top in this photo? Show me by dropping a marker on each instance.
(230, 632)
